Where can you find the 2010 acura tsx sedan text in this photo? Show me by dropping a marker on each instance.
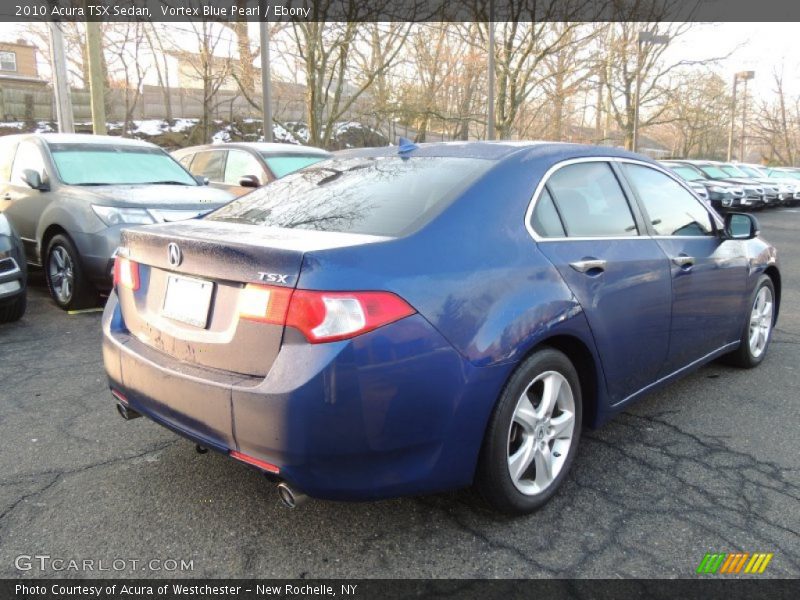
(394, 322)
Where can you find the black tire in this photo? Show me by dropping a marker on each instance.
(743, 356)
(82, 293)
(493, 479)
(13, 309)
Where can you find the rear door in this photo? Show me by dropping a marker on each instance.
(709, 274)
(587, 228)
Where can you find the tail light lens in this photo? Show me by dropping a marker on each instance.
(126, 273)
(322, 316)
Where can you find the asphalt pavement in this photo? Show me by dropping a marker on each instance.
(710, 464)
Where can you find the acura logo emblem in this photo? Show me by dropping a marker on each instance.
(174, 254)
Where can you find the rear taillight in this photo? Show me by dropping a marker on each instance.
(126, 273)
(322, 316)
(264, 303)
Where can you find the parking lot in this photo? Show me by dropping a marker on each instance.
(710, 464)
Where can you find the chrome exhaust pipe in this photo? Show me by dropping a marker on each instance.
(290, 497)
(127, 413)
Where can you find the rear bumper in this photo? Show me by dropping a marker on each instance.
(394, 412)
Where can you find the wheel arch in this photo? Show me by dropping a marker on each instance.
(48, 234)
(775, 275)
(584, 362)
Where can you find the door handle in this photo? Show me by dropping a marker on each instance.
(683, 261)
(593, 264)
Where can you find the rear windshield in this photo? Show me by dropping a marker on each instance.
(386, 196)
(108, 164)
(281, 166)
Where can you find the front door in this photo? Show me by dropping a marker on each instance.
(709, 274)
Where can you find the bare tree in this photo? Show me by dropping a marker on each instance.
(125, 42)
(211, 65)
(326, 51)
(777, 127)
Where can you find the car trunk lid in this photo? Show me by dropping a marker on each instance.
(192, 278)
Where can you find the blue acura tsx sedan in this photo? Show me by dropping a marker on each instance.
(408, 320)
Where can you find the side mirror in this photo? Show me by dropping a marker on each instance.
(249, 181)
(200, 179)
(34, 180)
(741, 226)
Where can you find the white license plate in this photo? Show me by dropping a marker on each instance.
(187, 300)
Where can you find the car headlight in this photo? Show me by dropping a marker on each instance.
(717, 189)
(111, 215)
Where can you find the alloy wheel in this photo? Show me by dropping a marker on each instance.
(761, 321)
(62, 274)
(541, 432)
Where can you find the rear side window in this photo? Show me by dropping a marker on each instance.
(671, 209)
(591, 202)
(546, 221)
(371, 195)
(209, 164)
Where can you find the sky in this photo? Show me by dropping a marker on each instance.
(760, 47)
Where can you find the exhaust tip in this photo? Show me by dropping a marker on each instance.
(127, 413)
(290, 497)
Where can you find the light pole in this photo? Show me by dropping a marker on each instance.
(645, 37)
(266, 81)
(490, 76)
(737, 77)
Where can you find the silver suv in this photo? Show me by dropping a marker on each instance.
(69, 196)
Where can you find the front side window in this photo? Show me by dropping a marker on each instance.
(670, 208)
(8, 147)
(209, 164)
(109, 164)
(8, 61)
(387, 196)
(28, 157)
(239, 164)
(591, 202)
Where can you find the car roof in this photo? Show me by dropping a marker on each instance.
(496, 150)
(275, 147)
(87, 138)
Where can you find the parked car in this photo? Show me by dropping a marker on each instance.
(13, 298)
(395, 322)
(755, 193)
(776, 193)
(792, 173)
(790, 187)
(68, 196)
(722, 195)
(239, 167)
